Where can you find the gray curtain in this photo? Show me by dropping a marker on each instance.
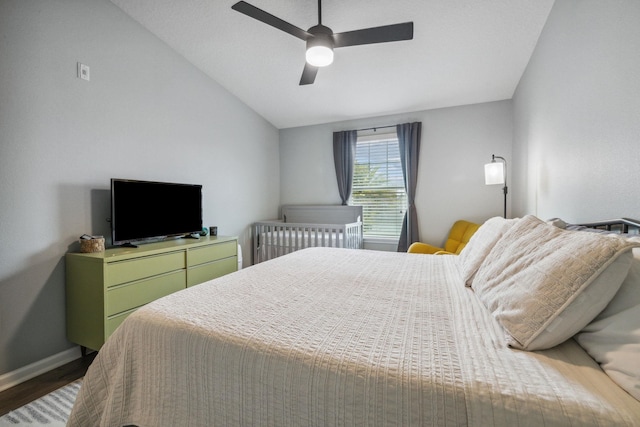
(409, 142)
(344, 152)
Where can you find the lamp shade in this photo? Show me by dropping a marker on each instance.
(494, 173)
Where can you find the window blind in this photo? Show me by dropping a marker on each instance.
(378, 185)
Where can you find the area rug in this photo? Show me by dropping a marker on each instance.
(51, 410)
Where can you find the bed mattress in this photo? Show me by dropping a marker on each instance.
(327, 336)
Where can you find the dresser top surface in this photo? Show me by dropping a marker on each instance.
(118, 253)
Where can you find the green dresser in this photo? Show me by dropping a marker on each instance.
(103, 288)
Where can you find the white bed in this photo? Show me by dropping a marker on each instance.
(333, 337)
(308, 226)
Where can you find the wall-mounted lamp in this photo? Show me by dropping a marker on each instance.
(496, 173)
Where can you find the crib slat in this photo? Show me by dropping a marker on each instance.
(293, 236)
(276, 236)
(274, 239)
(256, 242)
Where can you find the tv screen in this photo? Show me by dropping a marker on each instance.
(143, 210)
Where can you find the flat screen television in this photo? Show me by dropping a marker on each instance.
(146, 210)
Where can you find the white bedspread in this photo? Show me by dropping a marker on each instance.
(330, 337)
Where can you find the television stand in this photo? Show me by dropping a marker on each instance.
(191, 236)
(128, 245)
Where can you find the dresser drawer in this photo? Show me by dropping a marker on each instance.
(211, 270)
(201, 255)
(139, 268)
(132, 295)
(115, 321)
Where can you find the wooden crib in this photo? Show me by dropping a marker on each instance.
(305, 226)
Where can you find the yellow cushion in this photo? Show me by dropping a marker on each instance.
(423, 248)
(459, 236)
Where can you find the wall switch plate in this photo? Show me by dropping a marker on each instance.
(83, 71)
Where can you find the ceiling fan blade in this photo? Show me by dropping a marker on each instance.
(269, 19)
(387, 33)
(308, 74)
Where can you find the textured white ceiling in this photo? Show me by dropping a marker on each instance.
(463, 52)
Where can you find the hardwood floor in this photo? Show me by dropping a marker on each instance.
(37, 387)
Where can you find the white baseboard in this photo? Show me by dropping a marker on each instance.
(25, 373)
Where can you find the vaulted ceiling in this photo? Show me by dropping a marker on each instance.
(463, 52)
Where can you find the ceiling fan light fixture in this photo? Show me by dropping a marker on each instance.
(319, 56)
(320, 46)
(321, 40)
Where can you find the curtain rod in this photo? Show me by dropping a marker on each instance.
(376, 128)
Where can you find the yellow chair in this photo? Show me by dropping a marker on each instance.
(458, 238)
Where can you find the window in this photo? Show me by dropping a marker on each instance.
(378, 185)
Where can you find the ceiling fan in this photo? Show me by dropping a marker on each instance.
(321, 40)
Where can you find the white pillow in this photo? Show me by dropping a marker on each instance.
(480, 245)
(613, 338)
(544, 284)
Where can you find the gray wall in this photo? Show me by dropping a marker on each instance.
(456, 143)
(146, 114)
(577, 115)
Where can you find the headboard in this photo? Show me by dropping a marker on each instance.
(321, 214)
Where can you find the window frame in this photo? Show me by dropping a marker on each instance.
(392, 171)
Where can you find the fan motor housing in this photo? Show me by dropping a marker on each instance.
(322, 36)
